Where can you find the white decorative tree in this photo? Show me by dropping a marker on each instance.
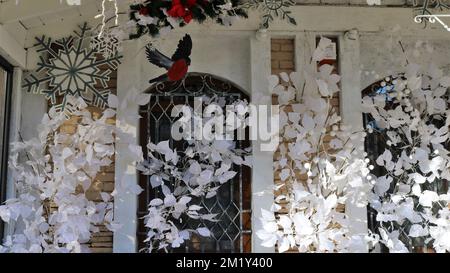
(321, 167)
(188, 176)
(51, 212)
(52, 173)
(410, 115)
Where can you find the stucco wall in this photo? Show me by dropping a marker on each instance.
(226, 56)
(381, 53)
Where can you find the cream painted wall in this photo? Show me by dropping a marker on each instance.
(381, 54)
(222, 55)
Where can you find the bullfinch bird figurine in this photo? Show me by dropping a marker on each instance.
(177, 66)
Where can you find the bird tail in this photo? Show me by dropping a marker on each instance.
(161, 78)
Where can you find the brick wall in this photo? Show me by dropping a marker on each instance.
(282, 55)
(283, 60)
(101, 242)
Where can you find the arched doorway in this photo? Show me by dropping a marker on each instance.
(232, 204)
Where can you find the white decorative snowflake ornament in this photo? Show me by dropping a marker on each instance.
(67, 68)
(107, 44)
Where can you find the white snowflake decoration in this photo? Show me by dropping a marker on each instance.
(68, 68)
(272, 9)
(107, 44)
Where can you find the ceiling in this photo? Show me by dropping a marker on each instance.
(37, 13)
(25, 19)
(396, 3)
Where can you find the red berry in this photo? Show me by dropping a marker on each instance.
(144, 11)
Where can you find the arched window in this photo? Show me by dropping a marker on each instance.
(232, 204)
(375, 145)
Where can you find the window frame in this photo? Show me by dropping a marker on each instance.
(9, 69)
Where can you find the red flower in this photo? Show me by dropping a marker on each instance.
(178, 70)
(144, 11)
(182, 10)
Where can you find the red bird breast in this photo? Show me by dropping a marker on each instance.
(178, 70)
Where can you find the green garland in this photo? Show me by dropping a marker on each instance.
(196, 10)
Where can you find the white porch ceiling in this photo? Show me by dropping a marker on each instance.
(25, 19)
(392, 3)
(37, 13)
(32, 18)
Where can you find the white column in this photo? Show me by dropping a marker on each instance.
(351, 112)
(262, 171)
(15, 118)
(125, 204)
(14, 128)
(307, 42)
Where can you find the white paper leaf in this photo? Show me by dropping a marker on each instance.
(382, 185)
(169, 200)
(105, 196)
(156, 202)
(284, 174)
(195, 207)
(417, 231)
(427, 198)
(135, 189)
(273, 81)
(113, 101)
(227, 176)
(203, 231)
(284, 245)
(195, 168)
(155, 180)
(284, 76)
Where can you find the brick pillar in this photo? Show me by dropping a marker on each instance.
(282, 55)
